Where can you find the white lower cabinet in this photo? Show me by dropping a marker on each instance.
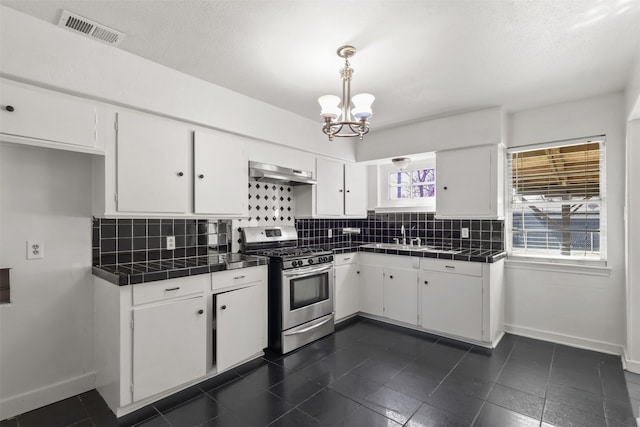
(459, 299)
(153, 339)
(401, 295)
(347, 286)
(168, 345)
(240, 326)
(371, 289)
(451, 304)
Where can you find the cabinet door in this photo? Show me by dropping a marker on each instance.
(46, 116)
(452, 304)
(168, 346)
(154, 169)
(464, 183)
(330, 187)
(355, 190)
(371, 290)
(401, 295)
(347, 294)
(220, 174)
(241, 317)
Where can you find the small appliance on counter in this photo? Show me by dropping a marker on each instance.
(301, 306)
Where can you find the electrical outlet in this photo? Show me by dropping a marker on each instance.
(329, 233)
(171, 242)
(464, 232)
(35, 249)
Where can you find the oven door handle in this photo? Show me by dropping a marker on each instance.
(307, 329)
(307, 271)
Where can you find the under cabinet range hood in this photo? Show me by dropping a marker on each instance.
(279, 174)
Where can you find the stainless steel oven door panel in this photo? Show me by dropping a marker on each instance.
(306, 333)
(297, 316)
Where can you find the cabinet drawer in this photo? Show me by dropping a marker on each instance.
(240, 276)
(457, 267)
(167, 289)
(343, 259)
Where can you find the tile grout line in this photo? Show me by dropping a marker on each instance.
(546, 389)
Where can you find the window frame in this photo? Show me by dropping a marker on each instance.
(603, 227)
(386, 204)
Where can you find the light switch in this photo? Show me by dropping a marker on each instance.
(35, 249)
(464, 232)
(330, 233)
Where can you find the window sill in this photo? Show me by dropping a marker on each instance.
(589, 268)
(404, 209)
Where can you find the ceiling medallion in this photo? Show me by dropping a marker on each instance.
(346, 121)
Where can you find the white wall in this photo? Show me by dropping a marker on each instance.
(573, 307)
(463, 130)
(632, 91)
(46, 334)
(633, 246)
(37, 52)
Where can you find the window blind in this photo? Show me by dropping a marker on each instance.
(557, 200)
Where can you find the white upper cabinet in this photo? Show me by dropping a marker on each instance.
(41, 117)
(355, 190)
(341, 191)
(470, 183)
(153, 164)
(330, 187)
(220, 174)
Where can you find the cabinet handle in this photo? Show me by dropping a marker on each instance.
(444, 188)
(238, 277)
(201, 176)
(347, 259)
(172, 289)
(426, 283)
(224, 307)
(449, 266)
(9, 108)
(180, 173)
(200, 311)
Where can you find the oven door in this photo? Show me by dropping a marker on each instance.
(307, 294)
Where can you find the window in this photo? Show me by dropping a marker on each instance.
(412, 184)
(556, 206)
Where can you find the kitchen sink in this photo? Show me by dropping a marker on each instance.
(396, 246)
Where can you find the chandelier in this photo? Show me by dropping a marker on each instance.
(346, 121)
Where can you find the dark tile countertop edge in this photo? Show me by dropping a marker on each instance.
(123, 279)
(471, 255)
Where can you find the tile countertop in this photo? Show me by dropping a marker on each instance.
(465, 254)
(141, 272)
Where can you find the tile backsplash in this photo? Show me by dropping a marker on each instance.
(384, 227)
(126, 240)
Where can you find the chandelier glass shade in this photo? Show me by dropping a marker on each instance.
(349, 119)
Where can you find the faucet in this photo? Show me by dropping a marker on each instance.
(404, 237)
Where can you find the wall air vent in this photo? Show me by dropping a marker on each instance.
(90, 28)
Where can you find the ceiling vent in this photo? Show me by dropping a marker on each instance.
(90, 28)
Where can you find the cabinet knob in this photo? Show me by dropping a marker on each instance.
(348, 191)
(357, 272)
(200, 311)
(426, 283)
(340, 191)
(9, 108)
(444, 188)
(180, 173)
(200, 176)
(390, 277)
(224, 307)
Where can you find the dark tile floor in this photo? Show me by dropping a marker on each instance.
(369, 374)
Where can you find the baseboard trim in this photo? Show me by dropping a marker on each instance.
(570, 340)
(34, 399)
(630, 365)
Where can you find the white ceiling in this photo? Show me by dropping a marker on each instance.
(419, 58)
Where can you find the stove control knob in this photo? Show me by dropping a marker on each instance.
(323, 259)
(311, 261)
(296, 263)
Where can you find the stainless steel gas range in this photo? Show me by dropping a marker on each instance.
(301, 306)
